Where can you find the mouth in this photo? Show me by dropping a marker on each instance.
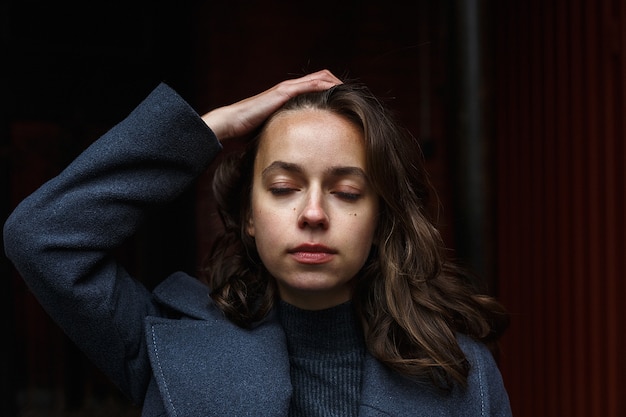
(312, 254)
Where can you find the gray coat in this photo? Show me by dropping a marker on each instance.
(172, 350)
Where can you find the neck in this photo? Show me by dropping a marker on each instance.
(330, 330)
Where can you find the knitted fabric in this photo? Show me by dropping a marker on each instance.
(326, 353)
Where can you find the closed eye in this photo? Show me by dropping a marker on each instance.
(347, 196)
(278, 191)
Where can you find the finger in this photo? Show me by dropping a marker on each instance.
(318, 81)
(323, 75)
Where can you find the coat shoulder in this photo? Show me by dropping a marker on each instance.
(485, 386)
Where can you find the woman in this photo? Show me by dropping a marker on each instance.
(328, 293)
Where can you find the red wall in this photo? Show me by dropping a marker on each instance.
(560, 83)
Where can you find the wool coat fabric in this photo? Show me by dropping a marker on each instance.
(171, 349)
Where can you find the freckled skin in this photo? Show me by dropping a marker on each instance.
(309, 185)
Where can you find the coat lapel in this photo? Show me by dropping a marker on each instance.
(219, 369)
(204, 365)
(386, 393)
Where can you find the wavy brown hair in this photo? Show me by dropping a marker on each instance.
(411, 299)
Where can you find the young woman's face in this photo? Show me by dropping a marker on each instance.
(313, 212)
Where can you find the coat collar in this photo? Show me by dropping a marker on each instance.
(223, 370)
(185, 295)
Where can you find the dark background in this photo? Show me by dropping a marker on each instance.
(519, 107)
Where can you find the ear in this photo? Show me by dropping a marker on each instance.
(250, 225)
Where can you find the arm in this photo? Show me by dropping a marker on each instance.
(62, 237)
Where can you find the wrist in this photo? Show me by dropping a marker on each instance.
(218, 121)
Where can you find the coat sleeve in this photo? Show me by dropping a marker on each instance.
(61, 238)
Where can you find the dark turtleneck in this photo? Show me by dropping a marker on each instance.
(326, 353)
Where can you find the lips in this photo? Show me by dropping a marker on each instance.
(312, 254)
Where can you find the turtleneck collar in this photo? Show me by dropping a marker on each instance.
(330, 331)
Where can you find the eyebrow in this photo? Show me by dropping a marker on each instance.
(335, 171)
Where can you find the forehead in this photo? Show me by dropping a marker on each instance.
(312, 137)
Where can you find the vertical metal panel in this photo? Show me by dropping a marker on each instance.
(561, 214)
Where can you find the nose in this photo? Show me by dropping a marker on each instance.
(313, 214)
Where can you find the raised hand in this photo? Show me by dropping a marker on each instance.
(242, 117)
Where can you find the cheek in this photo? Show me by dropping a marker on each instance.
(361, 234)
(266, 228)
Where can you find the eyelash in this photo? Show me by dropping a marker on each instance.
(280, 191)
(347, 196)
